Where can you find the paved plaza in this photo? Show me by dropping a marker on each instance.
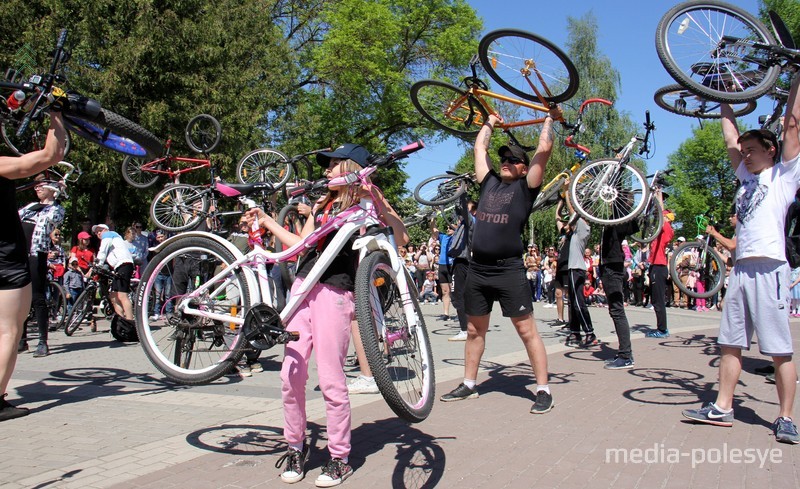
(103, 416)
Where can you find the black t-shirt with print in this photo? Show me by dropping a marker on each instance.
(503, 210)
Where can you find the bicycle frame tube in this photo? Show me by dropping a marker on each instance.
(480, 94)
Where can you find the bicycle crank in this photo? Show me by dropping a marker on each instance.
(263, 329)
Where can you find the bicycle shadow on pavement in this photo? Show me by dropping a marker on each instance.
(245, 439)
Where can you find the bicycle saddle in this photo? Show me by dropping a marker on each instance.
(243, 189)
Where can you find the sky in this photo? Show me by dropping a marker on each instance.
(626, 35)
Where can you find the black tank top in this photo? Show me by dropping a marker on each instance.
(12, 238)
(503, 210)
(341, 273)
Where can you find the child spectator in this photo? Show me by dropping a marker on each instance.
(73, 282)
(428, 291)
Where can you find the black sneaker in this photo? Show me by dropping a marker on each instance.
(544, 403)
(769, 369)
(23, 346)
(41, 351)
(460, 393)
(574, 339)
(295, 462)
(334, 473)
(9, 411)
(591, 340)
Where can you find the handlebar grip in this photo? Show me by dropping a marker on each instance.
(647, 117)
(62, 38)
(400, 153)
(592, 101)
(24, 126)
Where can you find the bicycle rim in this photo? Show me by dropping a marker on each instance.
(264, 165)
(508, 53)
(688, 44)
(188, 349)
(290, 219)
(681, 101)
(448, 108)
(56, 306)
(33, 138)
(133, 174)
(80, 309)
(178, 207)
(439, 190)
(399, 355)
(607, 192)
(695, 257)
(650, 222)
(203, 133)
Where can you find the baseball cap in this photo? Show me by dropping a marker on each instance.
(698, 237)
(73, 260)
(83, 235)
(347, 151)
(99, 226)
(516, 152)
(681, 239)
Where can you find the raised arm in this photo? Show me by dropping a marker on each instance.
(543, 150)
(730, 131)
(791, 124)
(14, 167)
(482, 163)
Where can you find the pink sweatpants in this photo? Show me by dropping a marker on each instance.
(323, 320)
(701, 289)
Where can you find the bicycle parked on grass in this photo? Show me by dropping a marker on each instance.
(700, 258)
(231, 308)
(25, 104)
(523, 63)
(722, 52)
(203, 134)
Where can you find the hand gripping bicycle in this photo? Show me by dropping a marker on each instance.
(224, 303)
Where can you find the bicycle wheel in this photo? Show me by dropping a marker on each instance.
(293, 221)
(80, 310)
(689, 45)
(606, 192)
(203, 133)
(549, 195)
(398, 354)
(508, 54)
(440, 189)
(192, 349)
(33, 138)
(56, 306)
(179, 207)
(114, 132)
(449, 108)
(708, 266)
(264, 165)
(133, 174)
(678, 100)
(650, 222)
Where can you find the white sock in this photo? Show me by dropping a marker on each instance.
(545, 388)
(296, 446)
(726, 411)
(469, 383)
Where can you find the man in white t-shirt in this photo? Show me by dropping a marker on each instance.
(758, 294)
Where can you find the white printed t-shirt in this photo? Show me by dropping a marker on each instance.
(761, 204)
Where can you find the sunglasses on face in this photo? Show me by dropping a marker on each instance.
(510, 159)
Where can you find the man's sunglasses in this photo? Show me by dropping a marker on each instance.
(510, 159)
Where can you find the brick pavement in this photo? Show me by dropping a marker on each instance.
(119, 425)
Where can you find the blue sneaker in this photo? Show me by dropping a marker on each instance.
(619, 363)
(785, 431)
(657, 334)
(709, 414)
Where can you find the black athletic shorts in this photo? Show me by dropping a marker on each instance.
(445, 273)
(14, 275)
(561, 279)
(122, 278)
(505, 283)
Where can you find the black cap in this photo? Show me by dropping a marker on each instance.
(347, 151)
(516, 151)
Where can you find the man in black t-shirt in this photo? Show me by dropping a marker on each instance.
(496, 270)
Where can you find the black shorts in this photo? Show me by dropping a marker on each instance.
(507, 284)
(561, 279)
(445, 273)
(14, 275)
(122, 278)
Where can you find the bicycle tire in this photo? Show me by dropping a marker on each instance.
(448, 108)
(264, 165)
(114, 132)
(548, 195)
(33, 138)
(214, 347)
(133, 174)
(650, 222)
(712, 272)
(596, 192)
(175, 208)
(56, 306)
(288, 218)
(80, 309)
(203, 133)
(687, 50)
(440, 190)
(407, 383)
(503, 54)
(682, 101)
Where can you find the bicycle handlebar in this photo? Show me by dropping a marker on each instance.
(406, 150)
(578, 125)
(46, 86)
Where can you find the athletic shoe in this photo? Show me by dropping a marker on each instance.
(360, 385)
(769, 369)
(256, 368)
(154, 317)
(619, 363)
(334, 473)
(591, 340)
(9, 411)
(23, 346)
(657, 334)
(770, 378)
(461, 336)
(709, 414)
(785, 431)
(544, 403)
(459, 394)
(549, 306)
(41, 351)
(574, 339)
(295, 462)
(244, 370)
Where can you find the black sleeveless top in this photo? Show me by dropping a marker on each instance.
(14, 272)
(341, 273)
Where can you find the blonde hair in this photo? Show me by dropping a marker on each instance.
(347, 195)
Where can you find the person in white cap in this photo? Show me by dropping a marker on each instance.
(115, 251)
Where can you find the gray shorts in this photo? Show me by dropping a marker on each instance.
(757, 300)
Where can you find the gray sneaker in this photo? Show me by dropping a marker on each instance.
(459, 394)
(785, 431)
(709, 414)
(544, 403)
(619, 363)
